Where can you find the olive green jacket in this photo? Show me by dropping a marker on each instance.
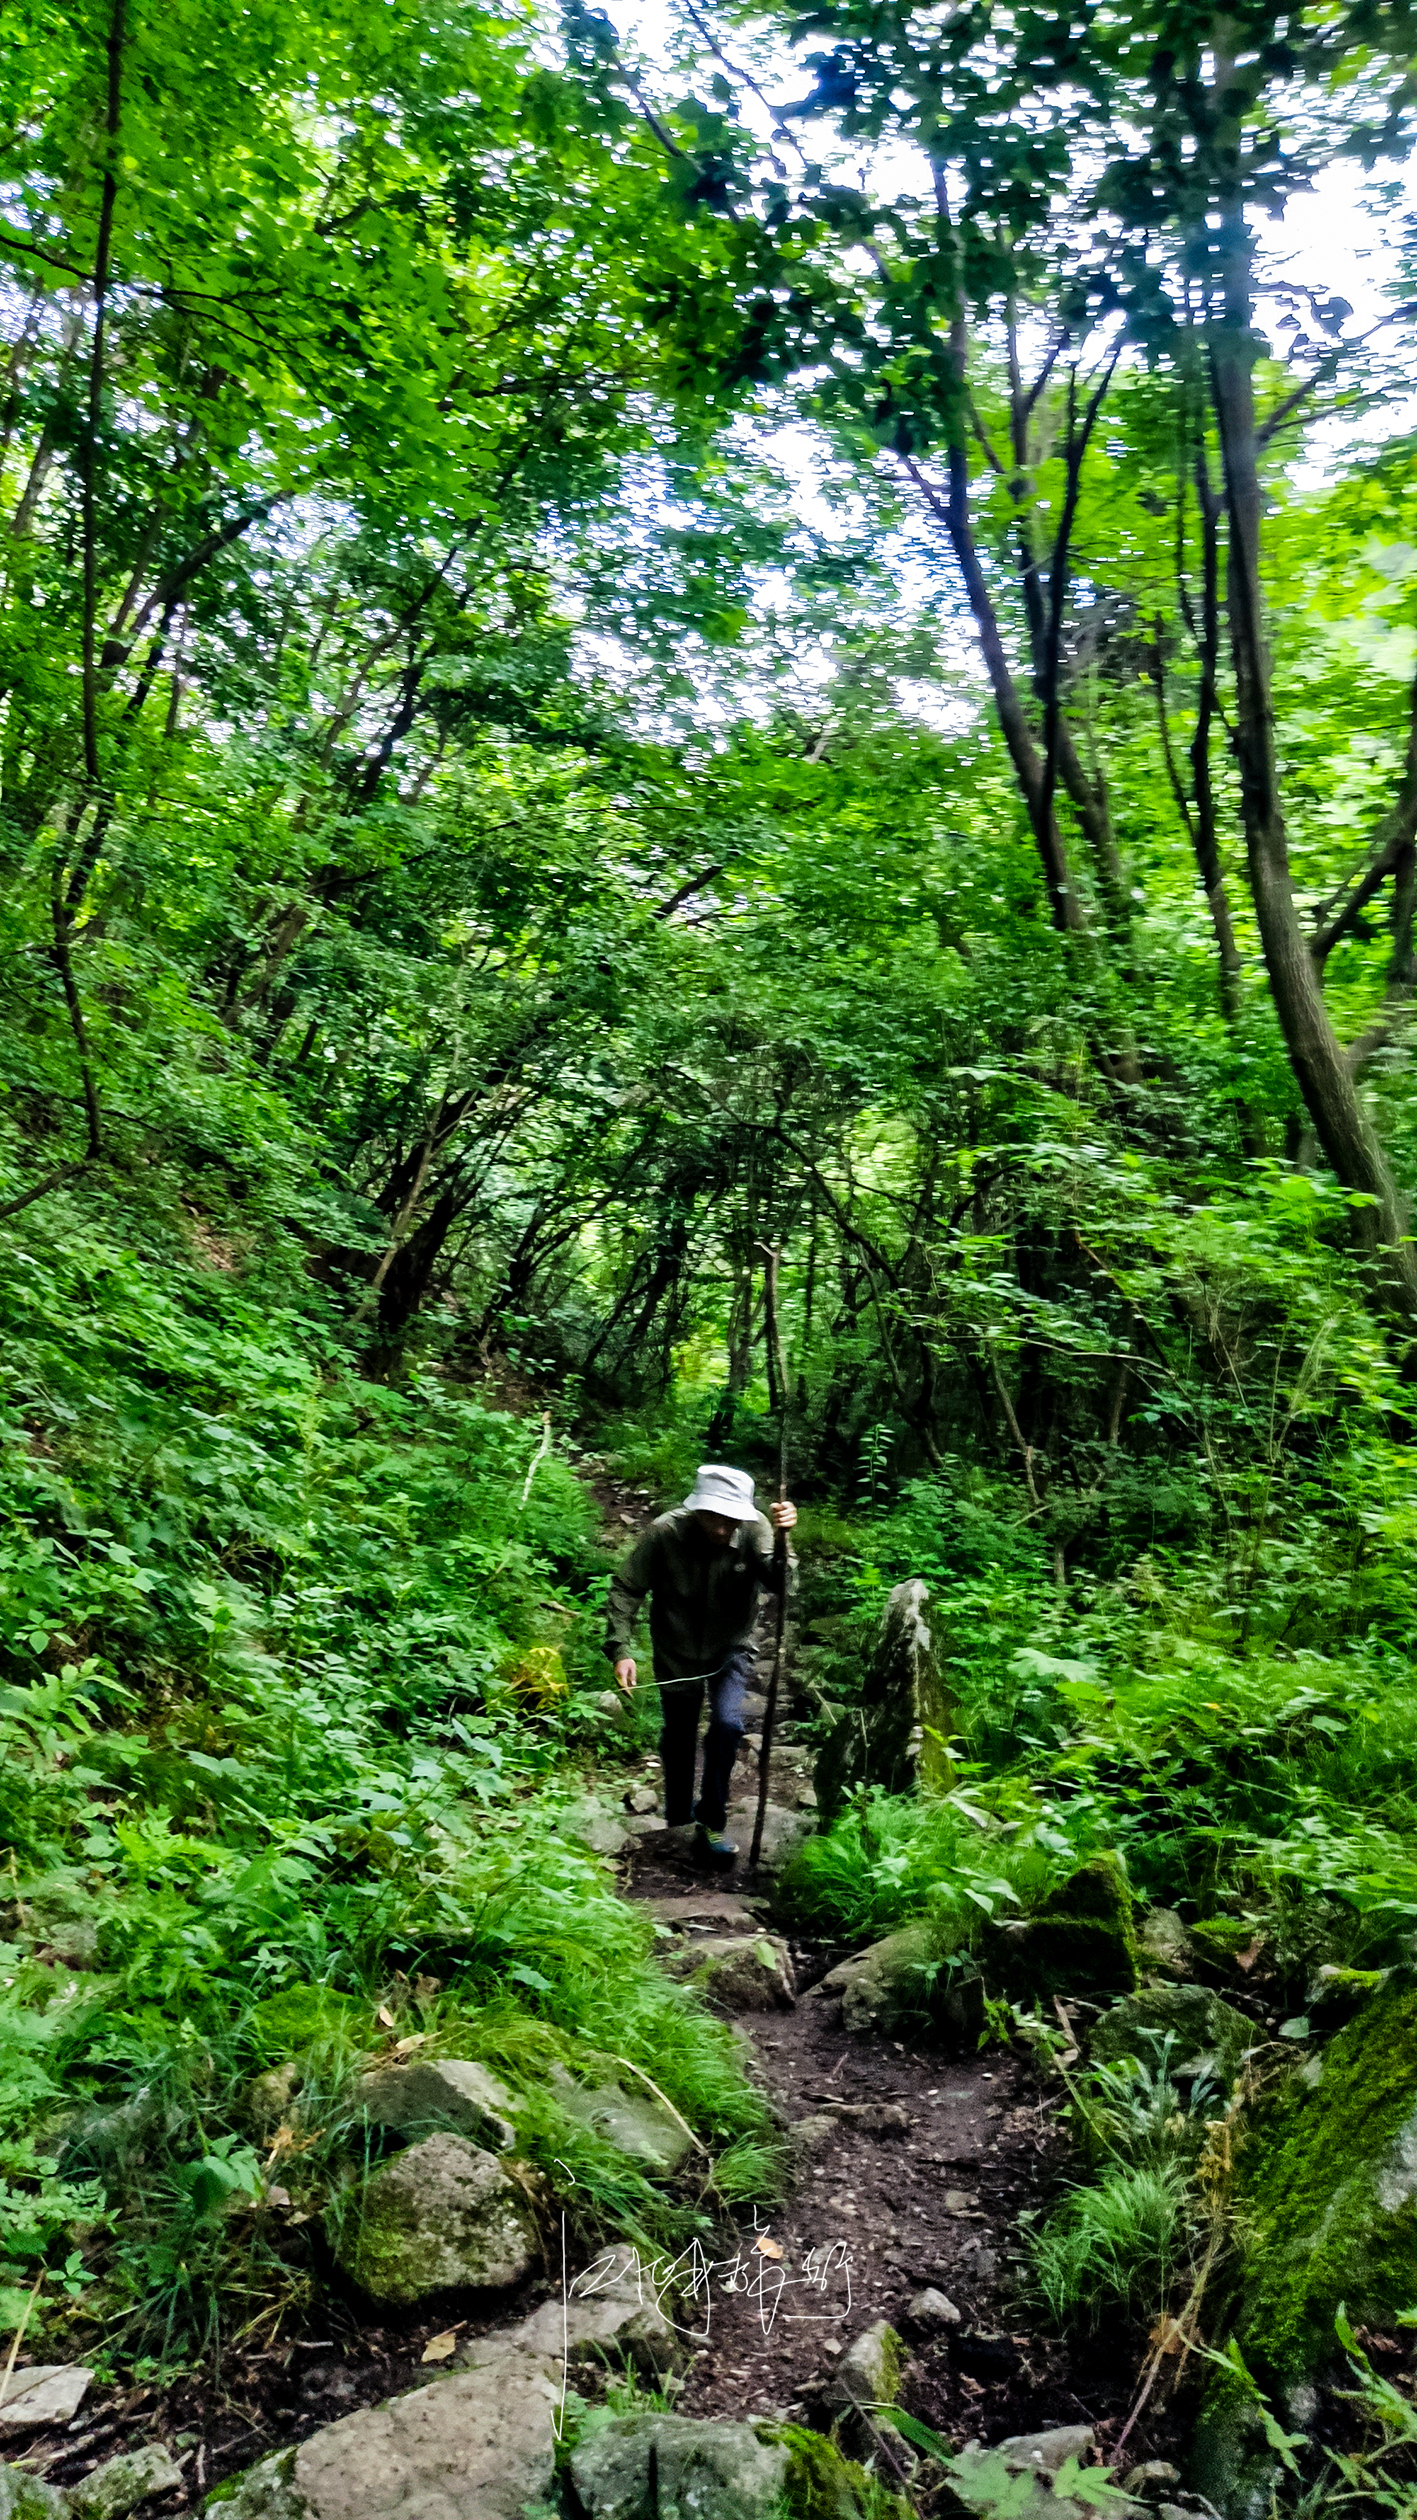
(702, 1598)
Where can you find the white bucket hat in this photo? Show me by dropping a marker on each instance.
(720, 1491)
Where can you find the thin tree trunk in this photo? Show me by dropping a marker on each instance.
(1325, 1080)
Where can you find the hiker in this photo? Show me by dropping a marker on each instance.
(703, 1566)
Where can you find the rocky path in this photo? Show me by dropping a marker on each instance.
(912, 2174)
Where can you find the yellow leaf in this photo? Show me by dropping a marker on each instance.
(767, 2248)
(441, 2348)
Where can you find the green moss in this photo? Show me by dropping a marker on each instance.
(1328, 2192)
(303, 2017)
(1098, 1889)
(823, 2485)
(1216, 1943)
(1081, 1938)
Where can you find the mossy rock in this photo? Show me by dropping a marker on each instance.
(1231, 2461)
(896, 1737)
(1217, 1942)
(823, 2484)
(266, 2491)
(1203, 2029)
(26, 2497)
(1080, 1940)
(1328, 2192)
(442, 2216)
(302, 2018)
(907, 1982)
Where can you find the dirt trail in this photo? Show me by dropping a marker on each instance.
(920, 2183)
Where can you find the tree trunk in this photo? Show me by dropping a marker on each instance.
(1325, 1080)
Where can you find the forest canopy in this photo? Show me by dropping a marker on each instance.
(617, 655)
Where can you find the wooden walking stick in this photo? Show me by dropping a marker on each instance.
(774, 1330)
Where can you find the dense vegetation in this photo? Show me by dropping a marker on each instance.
(589, 686)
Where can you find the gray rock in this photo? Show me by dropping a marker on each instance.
(1036, 2476)
(476, 2446)
(1204, 2030)
(783, 1832)
(1151, 2478)
(120, 2485)
(702, 1906)
(117, 2141)
(1164, 1943)
(616, 2323)
(873, 2117)
(264, 2492)
(668, 2467)
(642, 1800)
(602, 1831)
(449, 2091)
(269, 2095)
(868, 2373)
(738, 1972)
(26, 2497)
(61, 1916)
(636, 2123)
(929, 2313)
(1230, 2457)
(903, 1983)
(440, 2215)
(43, 2393)
(896, 1736)
(812, 2134)
(1080, 1939)
(1044, 2453)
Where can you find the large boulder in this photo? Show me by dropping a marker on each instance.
(897, 1736)
(1206, 2033)
(635, 2122)
(447, 2091)
(440, 2216)
(905, 1982)
(738, 1972)
(477, 2446)
(671, 2467)
(1327, 2193)
(1079, 1941)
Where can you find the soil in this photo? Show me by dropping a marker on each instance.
(932, 2164)
(935, 2160)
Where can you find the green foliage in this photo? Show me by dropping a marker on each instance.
(1118, 2245)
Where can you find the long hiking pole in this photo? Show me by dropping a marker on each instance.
(774, 1331)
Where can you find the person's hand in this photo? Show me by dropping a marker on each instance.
(783, 1516)
(625, 1675)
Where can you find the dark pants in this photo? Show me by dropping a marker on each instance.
(680, 1701)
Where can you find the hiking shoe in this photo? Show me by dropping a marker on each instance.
(714, 1847)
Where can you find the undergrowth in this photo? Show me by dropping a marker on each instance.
(298, 1664)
